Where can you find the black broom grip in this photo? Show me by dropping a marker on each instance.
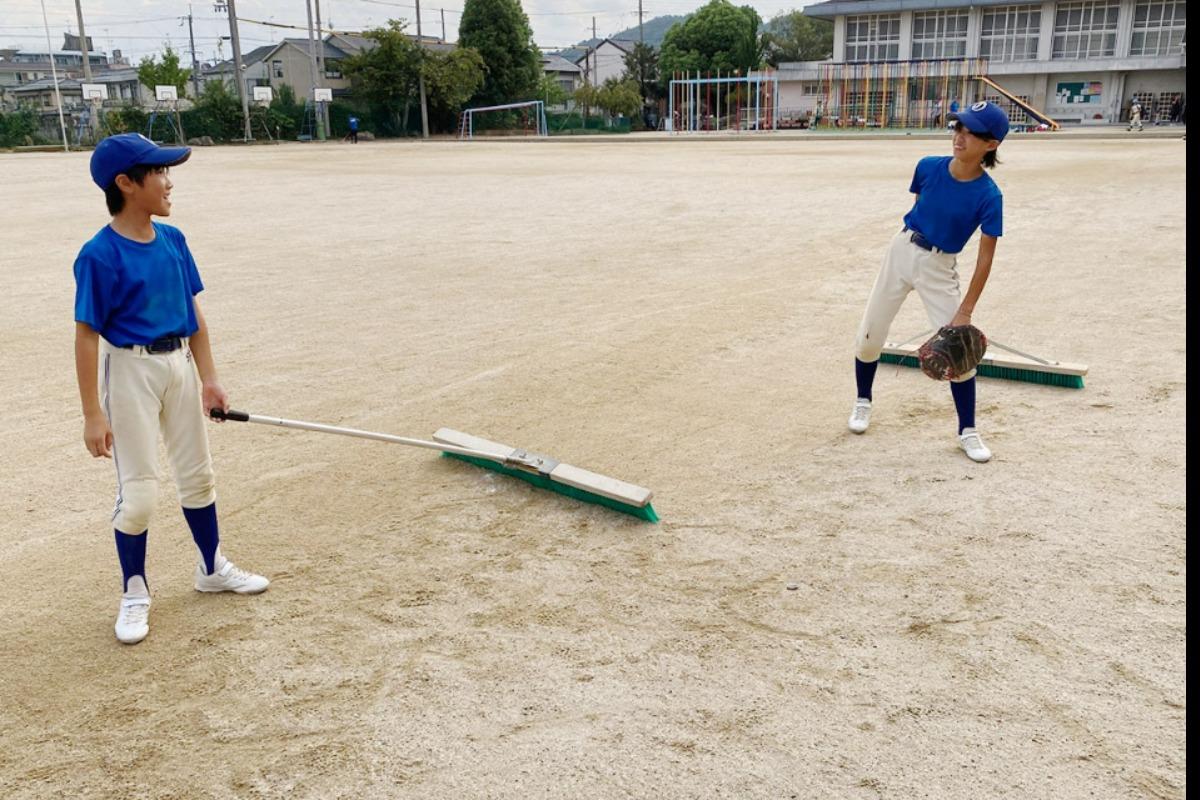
(231, 415)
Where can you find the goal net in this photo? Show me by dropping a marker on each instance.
(510, 119)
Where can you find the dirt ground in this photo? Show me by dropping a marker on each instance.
(676, 314)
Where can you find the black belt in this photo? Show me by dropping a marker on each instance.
(920, 241)
(166, 344)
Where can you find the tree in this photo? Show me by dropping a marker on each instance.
(792, 36)
(619, 97)
(165, 72)
(551, 92)
(720, 36)
(641, 66)
(586, 95)
(451, 79)
(386, 75)
(500, 31)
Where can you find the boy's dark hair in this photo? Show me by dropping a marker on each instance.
(112, 195)
(989, 159)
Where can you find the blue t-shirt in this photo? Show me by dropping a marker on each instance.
(354, 123)
(135, 292)
(948, 210)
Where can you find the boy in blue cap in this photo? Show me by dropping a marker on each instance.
(954, 197)
(144, 365)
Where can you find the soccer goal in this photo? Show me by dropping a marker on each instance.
(511, 119)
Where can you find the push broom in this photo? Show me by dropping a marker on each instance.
(1017, 366)
(541, 471)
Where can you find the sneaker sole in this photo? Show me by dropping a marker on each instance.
(235, 591)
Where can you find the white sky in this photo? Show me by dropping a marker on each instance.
(140, 27)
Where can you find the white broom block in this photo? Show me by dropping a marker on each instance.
(565, 474)
(1006, 361)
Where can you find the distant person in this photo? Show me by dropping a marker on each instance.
(353, 129)
(1176, 110)
(1135, 114)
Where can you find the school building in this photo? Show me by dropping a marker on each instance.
(1078, 62)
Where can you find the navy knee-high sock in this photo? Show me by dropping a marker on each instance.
(203, 522)
(131, 550)
(864, 375)
(964, 403)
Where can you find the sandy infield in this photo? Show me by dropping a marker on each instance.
(679, 315)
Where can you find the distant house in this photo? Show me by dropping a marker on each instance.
(254, 70)
(289, 62)
(567, 75)
(605, 60)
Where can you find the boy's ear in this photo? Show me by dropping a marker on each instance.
(124, 183)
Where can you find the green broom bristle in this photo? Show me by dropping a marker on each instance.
(1004, 373)
(645, 512)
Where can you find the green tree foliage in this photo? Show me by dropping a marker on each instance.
(18, 128)
(166, 71)
(792, 36)
(587, 96)
(551, 92)
(217, 113)
(386, 76)
(641, 66)
(451, 79)
(720, 36)
(620, 98)
(500, 31)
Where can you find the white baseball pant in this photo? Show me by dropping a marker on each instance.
(145, 393)
(906, 267)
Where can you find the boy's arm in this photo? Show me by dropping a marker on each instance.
(212, 395)
(983, 267)
(97, 436)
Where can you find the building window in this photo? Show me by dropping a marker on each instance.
(873, 37)
(1010, 33)
(1085, 30)
(939, 34)
(1158, 29)
(277, 69)
(333, 69)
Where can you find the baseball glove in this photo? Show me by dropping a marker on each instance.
(952, 352)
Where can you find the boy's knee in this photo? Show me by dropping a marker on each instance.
(867, 349)
(198, 489)
(135, 506)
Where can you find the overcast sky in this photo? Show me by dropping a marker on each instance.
(140, 27)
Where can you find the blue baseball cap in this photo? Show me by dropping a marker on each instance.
(120, 153)
(984, 117)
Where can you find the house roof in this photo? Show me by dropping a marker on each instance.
(252, 57)
(42, 84)
(624, 45)
(553, 62)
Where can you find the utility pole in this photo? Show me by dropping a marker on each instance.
(195, 63)
(421, 77)
(230, 6)
(62, 125)
(321, 62)
(312, 71)
(94, 105)
(595, 54)
(443, 26)
(641, 32)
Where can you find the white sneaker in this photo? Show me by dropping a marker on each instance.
(133, 618)
(972, 444)
(228, 578)
(860, 417)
